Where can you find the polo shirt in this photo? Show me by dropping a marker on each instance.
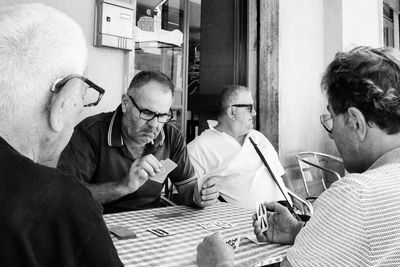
(97, 154)
(241, 175)
(356, 222)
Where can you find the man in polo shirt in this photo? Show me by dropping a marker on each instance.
(225, 152)
(355, 221)
(114, 154)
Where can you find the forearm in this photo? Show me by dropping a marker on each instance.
(107, 192)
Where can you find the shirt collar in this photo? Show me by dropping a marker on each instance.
(213, 123)
(392, 156)
(114, 135)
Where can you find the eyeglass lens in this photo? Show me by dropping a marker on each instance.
(148, 116)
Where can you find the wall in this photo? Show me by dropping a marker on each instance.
(311, 32)
(362, 23)
(105, 65)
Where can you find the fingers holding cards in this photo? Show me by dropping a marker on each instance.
(261, 213)
(167, 166)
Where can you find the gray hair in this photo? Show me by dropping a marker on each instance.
(39, 44)
(227, 95)
(368, 79)
(145, 77)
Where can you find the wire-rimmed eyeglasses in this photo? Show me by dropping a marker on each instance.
(90, 98)
(327, 122)
(148, 115)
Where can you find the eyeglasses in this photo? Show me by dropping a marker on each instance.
(148, 115)
(327, 122)
(91, 97)
(250, 107)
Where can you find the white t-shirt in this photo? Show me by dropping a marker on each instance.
(242, 177)
(356, 222)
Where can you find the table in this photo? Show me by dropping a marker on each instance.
(179, 249)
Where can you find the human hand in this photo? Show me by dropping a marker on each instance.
(208, 193)
(282, 226)
(141, 170)
(213, 251)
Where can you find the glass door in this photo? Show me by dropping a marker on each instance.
(160, 45)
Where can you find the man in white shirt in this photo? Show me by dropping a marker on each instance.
(225, 152)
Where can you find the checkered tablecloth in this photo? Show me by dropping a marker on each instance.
(179, 249)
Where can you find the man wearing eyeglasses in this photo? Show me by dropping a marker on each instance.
(47, 217)
(225, 152)
(355, 221)
(116, 153)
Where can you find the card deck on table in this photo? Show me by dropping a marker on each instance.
(121, 232)
(169, 215)
(168, 166)
(253, 239)
(234, 242)
(261, 212)
(215, 225)
(210, 226)
(159, 232)
(223, 224)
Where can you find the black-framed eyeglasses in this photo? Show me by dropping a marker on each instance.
(148, 115)
(250, 107)
(91, 97)
(327, 122)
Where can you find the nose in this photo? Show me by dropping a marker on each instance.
(253, 112)
(153, 123)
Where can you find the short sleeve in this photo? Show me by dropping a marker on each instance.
(184, 172)
(79, 156)
(196, 155)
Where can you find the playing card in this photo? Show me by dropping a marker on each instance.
(159, 232)
(234, 242)
(223, 224)
(121, 232)
(168, 166)
(210, 226)
(253, 239)
(169, 215)
(261, 212)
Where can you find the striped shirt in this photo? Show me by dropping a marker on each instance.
(356, 222)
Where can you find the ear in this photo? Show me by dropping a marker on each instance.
(357, 122)
(57, 108)
(230, 113)
(124, 103)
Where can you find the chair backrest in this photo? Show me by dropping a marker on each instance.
(319, 171)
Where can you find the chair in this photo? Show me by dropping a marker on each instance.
(167, 194)
(301, 205)
(319, 171)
